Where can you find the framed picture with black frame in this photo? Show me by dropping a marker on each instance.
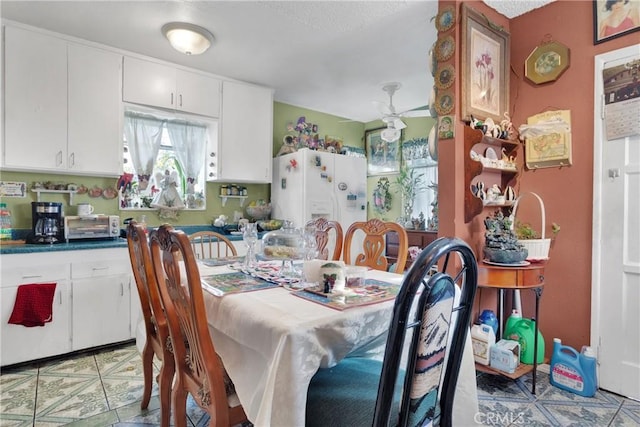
(614, 18)
(383, 157)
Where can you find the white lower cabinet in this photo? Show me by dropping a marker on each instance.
(91, 307)
(101, 293)
(20, 343)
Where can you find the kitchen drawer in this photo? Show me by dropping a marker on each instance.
(12, 276)
(107, 267)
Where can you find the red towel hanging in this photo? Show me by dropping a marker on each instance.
(33, 305)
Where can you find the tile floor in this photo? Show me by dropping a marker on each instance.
(103, 388)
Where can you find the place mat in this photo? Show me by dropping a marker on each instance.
(266, 270)
(373, 291)
(217, 262)
(230, 283)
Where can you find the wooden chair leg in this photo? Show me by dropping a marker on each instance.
(179, 405)
(165, 381)
(147, 370)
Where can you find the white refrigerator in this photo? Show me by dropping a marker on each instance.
(310, 184)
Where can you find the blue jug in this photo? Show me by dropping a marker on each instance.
(488, 317)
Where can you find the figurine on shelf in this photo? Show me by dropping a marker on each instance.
(288, 145)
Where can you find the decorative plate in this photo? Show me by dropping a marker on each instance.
(501, 264)
(433, 62)
(446, 76)
(110, 193)
(445, 47)
(432, 103)
(446, 19)
(95, 192)
(433, 143)
(444, 104)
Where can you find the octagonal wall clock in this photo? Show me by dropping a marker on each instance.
(547, 62)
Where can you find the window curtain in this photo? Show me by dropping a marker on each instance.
(143, 133)
(189, 140)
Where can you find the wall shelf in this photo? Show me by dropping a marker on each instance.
(38, 191)
(224, 199)
(474, 170)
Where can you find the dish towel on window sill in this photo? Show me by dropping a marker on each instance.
(33, 305)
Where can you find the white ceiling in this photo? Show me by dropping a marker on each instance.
(328, 56)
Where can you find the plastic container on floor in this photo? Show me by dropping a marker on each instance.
(511, 321)
(523, 332)
(482, 338)
(488, 317)
(573, 371)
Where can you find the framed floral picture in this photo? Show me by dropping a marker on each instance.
(485, 67)
(614, 18)
(382, 157)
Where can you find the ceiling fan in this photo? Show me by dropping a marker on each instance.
(391, 117)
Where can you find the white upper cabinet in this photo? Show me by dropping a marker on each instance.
(35, 102)
(158, 85)
(95, 110)
(246, 135)
(62, 108)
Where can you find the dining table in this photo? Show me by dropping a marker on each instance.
(272, 342)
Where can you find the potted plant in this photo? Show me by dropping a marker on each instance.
(409, 183)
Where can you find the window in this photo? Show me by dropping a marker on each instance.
(415, 153)
(164, 161)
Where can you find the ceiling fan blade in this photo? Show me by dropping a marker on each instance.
(417, 113)
(399, 124)
(382, 108)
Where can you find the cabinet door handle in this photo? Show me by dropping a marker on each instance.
(31, 276)
(180, 97)
(72, 159)
(59, 158)
(100, 268)
(60, 298)
(171, 98)
(121, 289)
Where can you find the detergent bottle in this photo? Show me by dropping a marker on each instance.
(522, 330)
(573, 371)
(488, 317)
(511, 321)
(482, 338)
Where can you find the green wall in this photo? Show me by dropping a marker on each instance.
(352, 133)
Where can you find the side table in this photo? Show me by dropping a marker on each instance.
(514, 278)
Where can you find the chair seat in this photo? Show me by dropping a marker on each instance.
(345, 395)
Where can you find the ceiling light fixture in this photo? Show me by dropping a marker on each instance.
(187, 38)
(390, 134)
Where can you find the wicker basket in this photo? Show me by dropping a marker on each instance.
(538, 248)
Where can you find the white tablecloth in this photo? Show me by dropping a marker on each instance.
(272, 343)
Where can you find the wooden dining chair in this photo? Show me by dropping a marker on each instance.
(199, 370)
(373, 233)
(209, 244)
(155, 323)
(324, 235)
(415, 383)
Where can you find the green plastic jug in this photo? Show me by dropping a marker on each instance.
(522, 331)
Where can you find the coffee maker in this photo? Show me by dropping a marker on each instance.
(47, 223)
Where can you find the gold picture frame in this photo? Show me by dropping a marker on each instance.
(547, 62)
(485, 67)
(552, 148)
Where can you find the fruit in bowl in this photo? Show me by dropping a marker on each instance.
(258, 211)
(270, 225)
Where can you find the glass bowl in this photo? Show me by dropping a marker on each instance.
(259, 211)
(269, 225)
(285, 243)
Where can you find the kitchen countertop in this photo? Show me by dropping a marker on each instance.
(25, 248)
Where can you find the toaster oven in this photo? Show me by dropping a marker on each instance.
(91, 227)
